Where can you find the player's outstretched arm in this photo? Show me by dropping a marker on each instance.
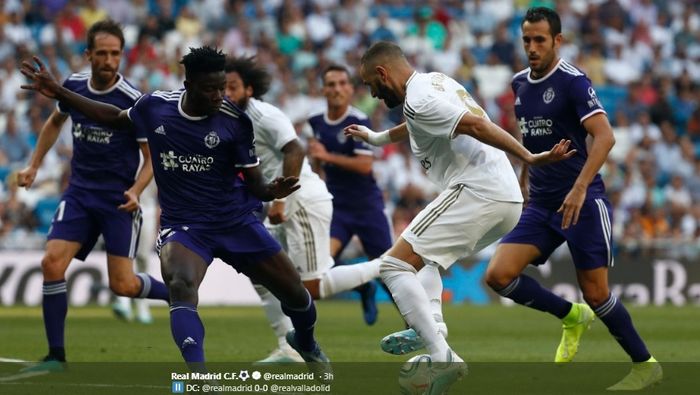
(277, 189)
(489, 133)
(44, 83)
(393, 135)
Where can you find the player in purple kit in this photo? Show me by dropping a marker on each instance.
(567, 202)
(102, 196)
(201, 143)
(358, 204)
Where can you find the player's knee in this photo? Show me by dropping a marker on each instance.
(53, 266)
(497, 278)
(181, 289)
(596, 296)
(390, 266)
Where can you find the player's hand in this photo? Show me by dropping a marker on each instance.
(571, 207)
(276, 212)
(282, 187)
(43, 81)
(559, 152)
(26, 176)
(132, 201)
(317, 150)
(358, 132)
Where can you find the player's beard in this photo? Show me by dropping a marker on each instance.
(390, 98)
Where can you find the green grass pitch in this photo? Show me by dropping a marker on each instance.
(492, 339)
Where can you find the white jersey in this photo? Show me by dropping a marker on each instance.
(273, 130)
(433, 106)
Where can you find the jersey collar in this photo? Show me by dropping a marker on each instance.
(410, 79)
(336, 121)
(106, 91)
(182, 112)
(537, 81)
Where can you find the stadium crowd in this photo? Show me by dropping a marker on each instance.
(643, 57)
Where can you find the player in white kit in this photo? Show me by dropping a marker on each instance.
(300, 222)
(481, 200)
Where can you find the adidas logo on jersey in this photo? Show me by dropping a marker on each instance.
(160, 130)
(517, 101)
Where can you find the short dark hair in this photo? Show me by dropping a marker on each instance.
(537, 14)
(382, 50)
(203, 60)
(107, 26)
(252, 73)
(335, 67)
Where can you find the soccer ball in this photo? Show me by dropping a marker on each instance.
(414, 377)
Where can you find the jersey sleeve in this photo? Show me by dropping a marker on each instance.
(584, 98)
(244, 149)
(360, 147)
(277, 129)
(61, 107)
(437, 117)
(138, 115)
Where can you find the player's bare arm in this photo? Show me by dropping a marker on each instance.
(47, 138)
(279, 188)
(603, 140)
(359, 163)
(291, 166)
(44, 83)
(142, 180)
(394, 135)
(489, 133)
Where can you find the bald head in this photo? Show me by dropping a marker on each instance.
(385, 70)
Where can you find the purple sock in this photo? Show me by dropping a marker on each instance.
(152, 288)
(303, 321)
(55, 308)
(615, 316)
(526, 291)
(188, 331)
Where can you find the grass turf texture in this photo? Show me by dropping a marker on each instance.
(506, 347)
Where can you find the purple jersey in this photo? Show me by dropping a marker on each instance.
(103, 158)
(350, 190)
(197, 161)
(550, 109)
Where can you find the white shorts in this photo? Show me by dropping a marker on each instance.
(306, 238)
(459, 223)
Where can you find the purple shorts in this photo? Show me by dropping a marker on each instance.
(590, 240)
(370, 226)
(84, 214)
(242, 245)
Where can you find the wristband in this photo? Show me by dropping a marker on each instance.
(381, 138)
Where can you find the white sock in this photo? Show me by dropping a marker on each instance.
(429, 277)
(280, 323)
(344, 278)
(412, 301)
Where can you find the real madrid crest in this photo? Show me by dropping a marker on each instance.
(548, 95)
(211, 140)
